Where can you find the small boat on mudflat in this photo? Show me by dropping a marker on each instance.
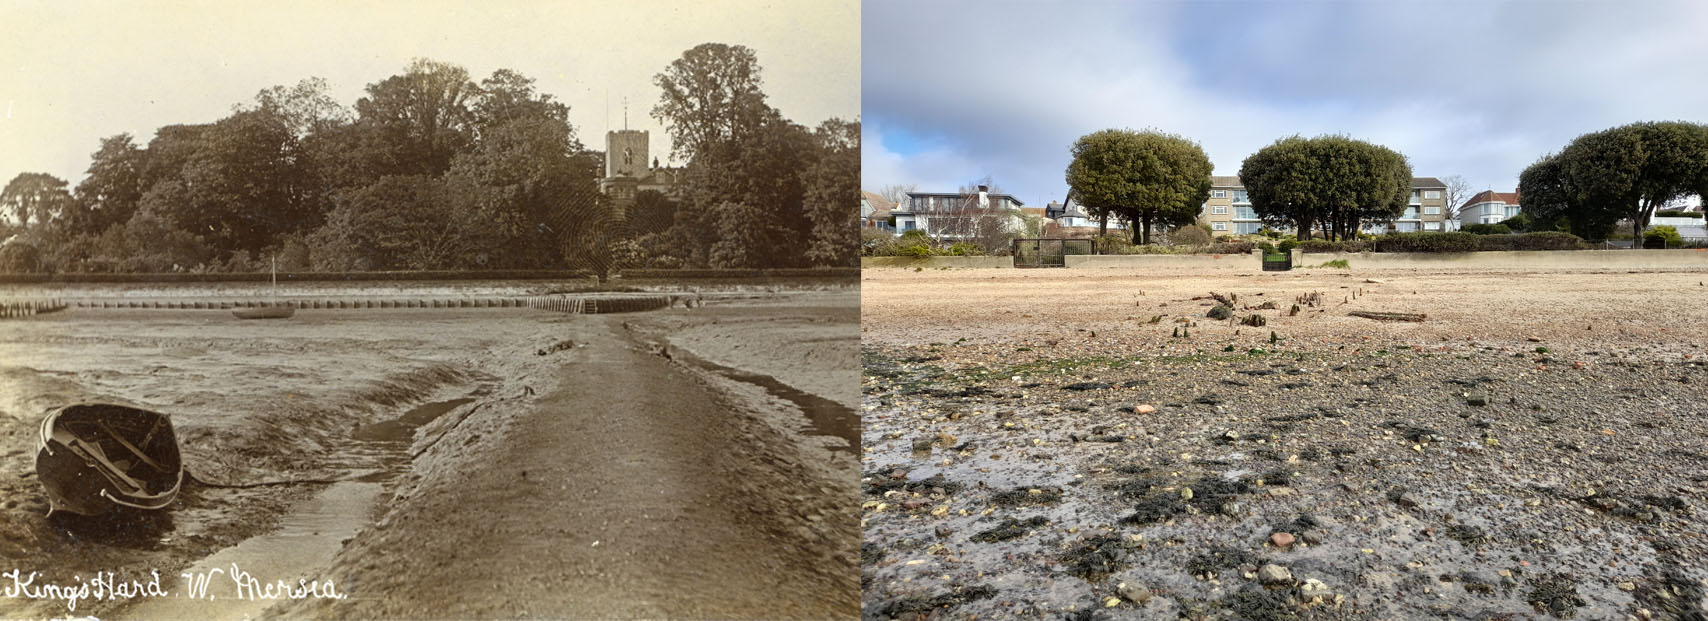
(93, 457)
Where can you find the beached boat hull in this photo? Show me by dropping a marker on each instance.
(93, 458)
(265, 312)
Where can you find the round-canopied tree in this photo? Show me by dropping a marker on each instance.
(1334, 183)
(1628, 172)
(1149, 177)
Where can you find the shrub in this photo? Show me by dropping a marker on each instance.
(1287, 245)
(1267, 247)
(1547, 240)
(1318, 245)
(1663, 236)
(962, 249)
(1487, 229)
(1188, 236)
(1678, 213)
(1232, 246)
(1517, 223)
(20, 258)
(1426, 242)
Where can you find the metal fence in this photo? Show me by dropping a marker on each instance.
(1626, 244)
(1049, 252)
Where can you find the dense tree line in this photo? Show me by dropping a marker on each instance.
(433, 170)
(1622, 173)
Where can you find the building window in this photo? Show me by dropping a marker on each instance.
(1414, 199)
(1219, 226)
(1240, 197)
(1511, 211)
(1247, 228)
(1218, 193)
(1406, 227)
(1432, 226)
(1219, 209)
(1432, 211)
(1411, 214)
(1432, 194)
(1245, 213)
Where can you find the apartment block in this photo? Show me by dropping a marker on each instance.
(1228, 210)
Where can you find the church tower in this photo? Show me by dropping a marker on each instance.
(625, 153)
(625, 163)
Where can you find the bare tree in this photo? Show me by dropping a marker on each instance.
(1458, 191)
(972, 216)
(897, 193)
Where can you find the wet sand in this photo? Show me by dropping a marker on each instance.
(275, 402)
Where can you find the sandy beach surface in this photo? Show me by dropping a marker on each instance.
(458, 463)
(1089, 444)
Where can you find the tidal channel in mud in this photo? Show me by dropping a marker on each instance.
(825, 417)
(307, 538)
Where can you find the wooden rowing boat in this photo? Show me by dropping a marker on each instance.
(93, 457)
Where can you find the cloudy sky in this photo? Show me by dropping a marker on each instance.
(957, 91)
(74, 72)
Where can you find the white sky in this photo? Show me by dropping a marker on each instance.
(74, 72)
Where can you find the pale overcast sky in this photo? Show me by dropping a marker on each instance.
(957, 91)
(74, 72)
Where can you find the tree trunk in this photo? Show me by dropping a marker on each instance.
(1103, 224)
(1304, 228)
(1637, 222)
(1142, 232)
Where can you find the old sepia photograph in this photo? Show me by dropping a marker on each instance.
(1277, 310)
(429, 310)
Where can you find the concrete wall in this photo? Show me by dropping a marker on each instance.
(936, 262)
(1528, 259)
(1249, 262)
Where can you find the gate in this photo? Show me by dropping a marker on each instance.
(1048, 252)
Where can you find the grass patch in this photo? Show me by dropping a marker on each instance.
(1337, 264)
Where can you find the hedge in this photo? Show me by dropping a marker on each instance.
(1323, 245)
(1426, 242)
(1547, 240)
(1487, 229)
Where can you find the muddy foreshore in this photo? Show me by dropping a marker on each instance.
(277, 417)
(1457, 482)
(1089, 444)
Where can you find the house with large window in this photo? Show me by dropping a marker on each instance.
(1489, 207)
(958, 215)
(1228, 210)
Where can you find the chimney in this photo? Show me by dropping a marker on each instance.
(984, 196)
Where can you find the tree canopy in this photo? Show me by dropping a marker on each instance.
(431, 169)
(1334, 183)
(1621, 173)
(1149, 178)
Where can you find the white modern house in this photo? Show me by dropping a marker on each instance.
(956, 215)
(1489, 207)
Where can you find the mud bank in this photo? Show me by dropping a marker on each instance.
(304, 433)
(608, 479)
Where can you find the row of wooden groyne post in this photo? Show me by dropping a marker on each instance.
(27, 308)
(567, 304)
